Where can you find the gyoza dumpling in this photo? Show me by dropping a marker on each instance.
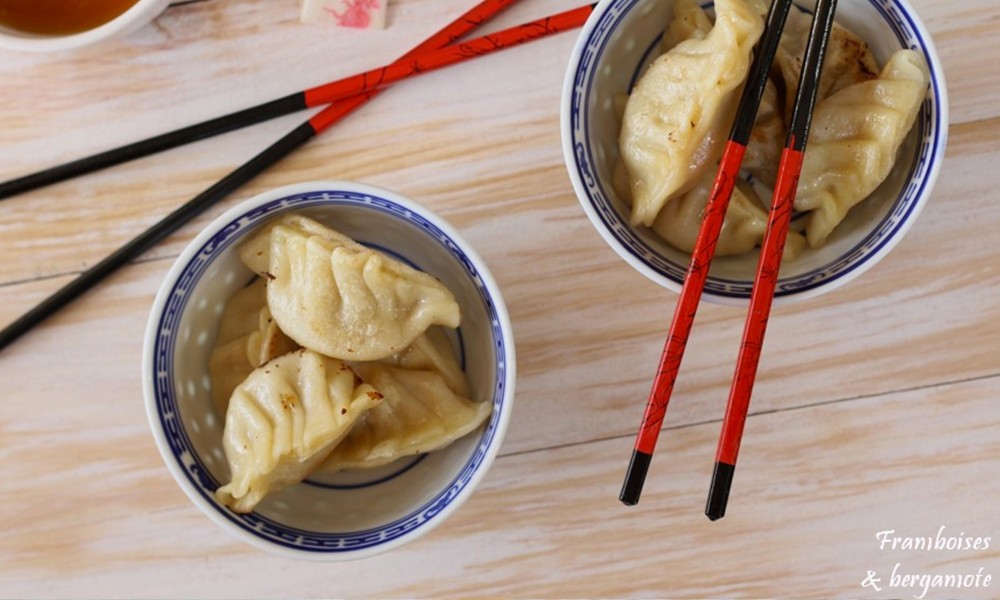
(284, 419)
(248, 337)
(335, 296)
(855, 136)
(742, 230)
(239, 317)
(690, 21)
(767, 139)
(432, 352)
(848, 59)
(681, 110)
(420, 413)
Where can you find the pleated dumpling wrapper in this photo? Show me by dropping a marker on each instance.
(680, 111)
(285, 419)
(248, 337)
(432, 352)
(690, 21)
(337, 297)
(420, 413)
(742, 230)
(426, 406)
(855, 137)
(848, 59)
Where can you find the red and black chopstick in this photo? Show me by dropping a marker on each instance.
(772, 248)
(358, 88)
(701, 256)
(295, 138)
(435, 59)
(482, 12)
(438, 51)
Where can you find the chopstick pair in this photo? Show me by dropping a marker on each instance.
(769, 263)
(346, 96)
(437, 51)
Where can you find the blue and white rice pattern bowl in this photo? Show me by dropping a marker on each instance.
(606, 63)
(350, 514)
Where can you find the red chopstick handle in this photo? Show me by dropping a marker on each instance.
(772, 249)
(680, 327)
(435, 59)
(760, 305)
(473, 18)
(337, 111)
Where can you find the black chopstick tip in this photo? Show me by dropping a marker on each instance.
(718, 493)
(635, 476)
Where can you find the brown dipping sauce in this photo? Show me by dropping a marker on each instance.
(59, 17)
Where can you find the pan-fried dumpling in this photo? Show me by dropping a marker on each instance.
(335, 296)
(420, 413)
(855, 136)
(848, 59)
(767, 139)
(248, 337)
(742, 230)
(239, 317)
(680, 112)
(432, 352)
(690, 21)
(284, 419)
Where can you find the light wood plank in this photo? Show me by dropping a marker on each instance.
(581, 316)
(875, 405)
(813, 489)
(964, 35)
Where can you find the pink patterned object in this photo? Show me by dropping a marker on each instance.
(357, 14)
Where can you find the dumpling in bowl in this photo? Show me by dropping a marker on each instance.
(855, 136)
(742, 230)
(767, 139)
(285, 419)
(690, 22)
(337, 297)
(680, 112)
(248, 337)
(848, 59)
(426, 406)
(432, 352)
(420, 413)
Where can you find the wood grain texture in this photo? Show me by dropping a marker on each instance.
(875, 408)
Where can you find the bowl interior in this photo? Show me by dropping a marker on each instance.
(615, 47)
(350, 510)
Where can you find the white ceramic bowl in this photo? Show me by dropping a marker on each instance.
(622, 36)
(141, 13)
(349, 514)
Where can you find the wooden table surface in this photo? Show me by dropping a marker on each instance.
(877, 406)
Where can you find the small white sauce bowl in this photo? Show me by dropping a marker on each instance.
(138, 15)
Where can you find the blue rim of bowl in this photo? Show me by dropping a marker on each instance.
(167, 413)
(923, 170)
